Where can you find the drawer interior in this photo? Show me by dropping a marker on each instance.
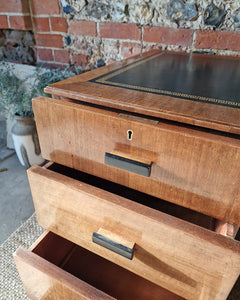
(97, 271)
(136, 196)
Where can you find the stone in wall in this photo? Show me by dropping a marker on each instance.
(67, 40)
(236, 17)
(141, 12)
(67, 7)
(120, 11)
(110, 51)
(178, 10)
(214, 15)
(99, 9)
(73, 5)
(17, 46)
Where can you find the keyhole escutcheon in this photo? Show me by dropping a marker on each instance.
(129, 135)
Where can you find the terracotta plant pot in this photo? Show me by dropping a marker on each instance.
(26, 142)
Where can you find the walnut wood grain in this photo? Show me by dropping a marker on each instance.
(186, 111)
(179, 256)
(79, 274)
(192, 168)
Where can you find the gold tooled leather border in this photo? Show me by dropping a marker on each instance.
(107, 80)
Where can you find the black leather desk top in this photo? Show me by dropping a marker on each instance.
(194, 77)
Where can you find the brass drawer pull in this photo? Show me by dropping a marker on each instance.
(128, 162)
(118, 245)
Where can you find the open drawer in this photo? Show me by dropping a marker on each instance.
(178, 255)
(54, 268)
(189, 166)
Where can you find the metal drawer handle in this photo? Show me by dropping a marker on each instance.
(128, 162)
(118, 245)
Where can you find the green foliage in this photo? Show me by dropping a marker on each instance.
(16, 94)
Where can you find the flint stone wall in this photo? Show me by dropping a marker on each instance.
(201, 14)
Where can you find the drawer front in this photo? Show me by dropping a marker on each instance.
(61, 270)
(191, 168)
(186, 259)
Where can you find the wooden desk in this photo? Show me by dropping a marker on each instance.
(146, 175)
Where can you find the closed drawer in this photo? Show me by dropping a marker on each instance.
(191, 261)
(54, 268)
(186, 166)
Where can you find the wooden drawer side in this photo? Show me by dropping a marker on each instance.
(190, 261)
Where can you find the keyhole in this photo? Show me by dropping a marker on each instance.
(129, 135)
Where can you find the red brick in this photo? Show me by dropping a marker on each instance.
(120, 31)
(49, 40)
(3, 22)
(20, 22)
(130, 49)
(41, 24)
(61, 56)
(58, 24)
(168, 36)
(14, 6)
(45, 54)
(79, 60)
(41, 7)
(83, 28)
(224, 40)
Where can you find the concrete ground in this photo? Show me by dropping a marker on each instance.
(16, 204)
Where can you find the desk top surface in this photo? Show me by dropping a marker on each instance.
(196, 89)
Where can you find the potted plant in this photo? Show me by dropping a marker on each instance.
(16, 98)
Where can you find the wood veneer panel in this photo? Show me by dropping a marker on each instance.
(190, 261)
(192, 168)
(172, 108)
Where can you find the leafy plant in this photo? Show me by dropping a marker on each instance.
(16, 94)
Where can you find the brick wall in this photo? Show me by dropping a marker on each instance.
(15, 14)
(93, 33)
(50, 28)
